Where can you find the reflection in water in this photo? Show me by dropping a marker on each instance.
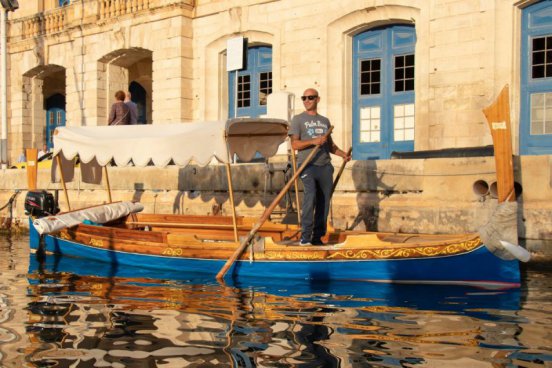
(85, 314)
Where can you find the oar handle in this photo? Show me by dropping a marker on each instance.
(267, 212)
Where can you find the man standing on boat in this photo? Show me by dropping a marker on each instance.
(307, 131)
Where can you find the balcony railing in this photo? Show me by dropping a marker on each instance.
(50, 22)
(86, 12)
(115, 8)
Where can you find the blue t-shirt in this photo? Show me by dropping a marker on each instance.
(308, 127)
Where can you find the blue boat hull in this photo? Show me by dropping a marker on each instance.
(478, 267)
(144, 281)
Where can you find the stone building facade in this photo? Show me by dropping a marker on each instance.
(393, 75)
(74, 54)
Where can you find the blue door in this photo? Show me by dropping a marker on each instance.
(138, 96)
(55, 116)
(536, 80)
(383, 92)
(254, 84)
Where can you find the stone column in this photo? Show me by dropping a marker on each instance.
(172, 73)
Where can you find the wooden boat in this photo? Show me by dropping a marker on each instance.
(188, 243)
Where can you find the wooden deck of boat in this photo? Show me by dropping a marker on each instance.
(210, 227)
(204, 228)
(212, 237)
(194, 237)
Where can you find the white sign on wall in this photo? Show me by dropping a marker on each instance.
(234, 53)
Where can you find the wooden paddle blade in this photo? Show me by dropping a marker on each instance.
(32, 167)
(498, 117)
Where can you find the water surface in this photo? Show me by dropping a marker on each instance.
(64, 312)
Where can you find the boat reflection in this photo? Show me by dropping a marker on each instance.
(100, 315)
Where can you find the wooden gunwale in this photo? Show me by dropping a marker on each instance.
(170, 218)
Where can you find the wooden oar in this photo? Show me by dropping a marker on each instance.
(341, 171)
(295, 184)
(336, 181)
(267, 212)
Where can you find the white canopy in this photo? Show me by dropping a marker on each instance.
(247, 136)
(179, 143)
(142, 144)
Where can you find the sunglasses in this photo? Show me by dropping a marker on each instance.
(310, 98)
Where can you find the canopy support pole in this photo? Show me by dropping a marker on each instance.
(294, 164)
(62, 177)
(107, 183)
(231, 194)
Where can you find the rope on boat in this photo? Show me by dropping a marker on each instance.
(10, 201)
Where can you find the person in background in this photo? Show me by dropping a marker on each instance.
(133, 109)
(43, 151)
(308, 130)
(22, 157)
(120, 113)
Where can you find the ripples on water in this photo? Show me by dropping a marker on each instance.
(71, 313)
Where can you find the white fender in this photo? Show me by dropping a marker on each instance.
(517, 251)
(100, 214)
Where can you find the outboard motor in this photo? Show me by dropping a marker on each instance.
(40, 204)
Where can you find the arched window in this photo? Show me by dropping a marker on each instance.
(248, 98)
(383, 92)
(536, 80)
(55, 116)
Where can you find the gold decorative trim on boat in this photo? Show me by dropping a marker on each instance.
(96, 243)
(413, 252)
(309, 255)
